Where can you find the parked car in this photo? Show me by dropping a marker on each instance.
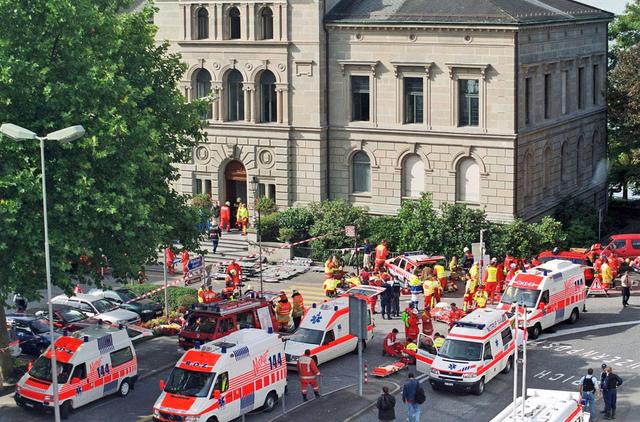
(621, 245)
(32, 333)
(67, 317)
(102, 309)
(146, 308)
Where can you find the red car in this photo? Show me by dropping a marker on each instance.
(580, 258)
(621, 245)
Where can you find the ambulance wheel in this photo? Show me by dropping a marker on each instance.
(479, 388)
(270, 401)
(535, 331)
(65, 409)
(575, 316)
(507, 367)
(125, 387)
(212, 419)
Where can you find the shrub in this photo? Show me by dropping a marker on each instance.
(186, 301)
(267, 205)
(295, 224)
(174, 292)
(201, 200)
(382, 227)
(268, 227)
(458, 226)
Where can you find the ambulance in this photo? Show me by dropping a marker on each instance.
(552, 293)
(224, 379)
(92, 363)
(478, 347)
(325, 331)
(546, 406)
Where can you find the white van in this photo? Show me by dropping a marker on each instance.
(224, 379)
(325, 331)
(478, 347)
(552, 292)
(546, 406)
(99, 308)
(92, 363)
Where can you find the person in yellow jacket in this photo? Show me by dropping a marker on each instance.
(330, 266)
(490, 279)
(201, 294)
(427, 288)
(474, 271)
(438, 341)
(607, 275)
(480, 298)
(453, 264)
(353, 280)
(414, 286)
(441, 275)
(242, 217)
(330, 286)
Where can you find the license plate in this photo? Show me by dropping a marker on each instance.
(29, 404)
(448, 384)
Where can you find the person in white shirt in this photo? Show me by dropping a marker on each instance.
(625, 283)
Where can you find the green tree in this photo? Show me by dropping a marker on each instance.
(624, 31)
(329, 220)
(458, 226)
(418, 226)
(67, 62)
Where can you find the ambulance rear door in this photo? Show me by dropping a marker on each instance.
(426, 353)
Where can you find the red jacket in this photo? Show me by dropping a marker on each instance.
(307, 368)
(225, 213)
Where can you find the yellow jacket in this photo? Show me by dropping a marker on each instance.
(354, 280)
(607, 274)
(411, 346)
(440, 272)
(414, 280)
(242, 213)
(481, 298)
(473, 272)
(438, 342)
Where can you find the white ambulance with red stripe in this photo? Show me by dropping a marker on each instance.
(93, 363)
(224, 379)
(545, 406)
(325, 331)
(552, 293)
(479, 346)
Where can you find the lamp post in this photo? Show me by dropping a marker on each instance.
(254, 186)
(68, 134)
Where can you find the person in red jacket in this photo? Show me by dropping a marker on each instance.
(308, 373)
(381, 255)
(225, 217)
(391, 346)
(235, 271)
(184, 257)
(427, 324)
(501, 276)
(413, 323)
(171, 256)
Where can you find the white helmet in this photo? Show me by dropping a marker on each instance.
(465, 249)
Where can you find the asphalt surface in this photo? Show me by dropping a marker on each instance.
(556, 360)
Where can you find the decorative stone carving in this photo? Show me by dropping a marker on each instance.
(266, 158)
(202, 153)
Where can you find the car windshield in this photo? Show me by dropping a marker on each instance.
(461, 350)
(201, 324)
(189, 383)
(125, 294)
(103, 305)
(306, 335)
(39, 326)
(41, 369)
(517, 295)
(72, 315)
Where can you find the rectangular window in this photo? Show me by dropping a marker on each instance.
(413, 100)
(527, 101)
(506, 336)
(468, 102)
(207, 187)
(272, 191)
(261, 190)
(581, 87)
(547, 96)
(596, 83)
(120, 357)
(359, 98)
(197, 186)
(565, 91)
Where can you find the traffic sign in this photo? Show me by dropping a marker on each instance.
(196, 262)
(350, 231)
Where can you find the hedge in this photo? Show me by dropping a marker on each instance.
(178, 296)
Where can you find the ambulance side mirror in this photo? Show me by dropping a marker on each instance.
(162, 385)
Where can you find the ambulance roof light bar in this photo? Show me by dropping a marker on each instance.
(475, 325)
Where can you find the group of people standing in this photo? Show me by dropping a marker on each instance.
(591, 388)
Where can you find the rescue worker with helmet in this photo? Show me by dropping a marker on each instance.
(242, 218)
(391, 346)
(308, 373)
(381, 255)
(297, 311)
(209, 295)
(283, 312)
(171, 256)
(234, 270)
(490, 279)
(480, 298)
(225, 217)
(201, 294)
(467, 259)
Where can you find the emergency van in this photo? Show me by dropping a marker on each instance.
(552, 293)
(325, 331)
(93, 363)
(478, 347)
(546, 406)
(224, 379)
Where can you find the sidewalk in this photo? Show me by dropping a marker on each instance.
(341, 405)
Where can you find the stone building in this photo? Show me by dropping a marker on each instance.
(499, 104)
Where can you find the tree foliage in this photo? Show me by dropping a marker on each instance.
(69, 62)
(329, 220)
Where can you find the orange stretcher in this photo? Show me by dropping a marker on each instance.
(386, 370)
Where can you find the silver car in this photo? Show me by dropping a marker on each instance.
(99, 308)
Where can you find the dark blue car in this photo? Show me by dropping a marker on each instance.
(32, 332)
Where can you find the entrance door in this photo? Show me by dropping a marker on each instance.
(236, 185)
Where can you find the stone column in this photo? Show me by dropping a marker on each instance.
(247, 103)
(250, 90)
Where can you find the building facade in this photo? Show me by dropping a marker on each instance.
(496, 104)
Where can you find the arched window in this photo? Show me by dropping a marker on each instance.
(203, 24)
(266, 24)
(579, 162)
(235, 96)
(203, 88)
(547, 167)
(468, 181)
(234, 23)
(361, 168)
(268, 99)
(564, 161)
(413, 176)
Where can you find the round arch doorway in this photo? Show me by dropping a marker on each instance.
(235, 178)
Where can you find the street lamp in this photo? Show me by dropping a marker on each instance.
(254, 186)
(68, 134)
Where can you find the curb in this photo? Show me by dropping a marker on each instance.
(372, 404)
(303, 403)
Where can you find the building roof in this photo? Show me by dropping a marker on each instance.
(484, 12)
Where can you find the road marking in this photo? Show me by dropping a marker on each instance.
(584, 329)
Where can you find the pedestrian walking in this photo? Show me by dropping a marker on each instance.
(588, 389)
(386, 405)
(413, 396)
(612, 382)
(214, 235)
(625, 283)
(308, 373)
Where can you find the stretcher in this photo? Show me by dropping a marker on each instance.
(386, 370)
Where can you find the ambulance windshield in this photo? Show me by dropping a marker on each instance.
(42, 370)
(461, 350)
(306, 335)
(517, 295)
(189, 383)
